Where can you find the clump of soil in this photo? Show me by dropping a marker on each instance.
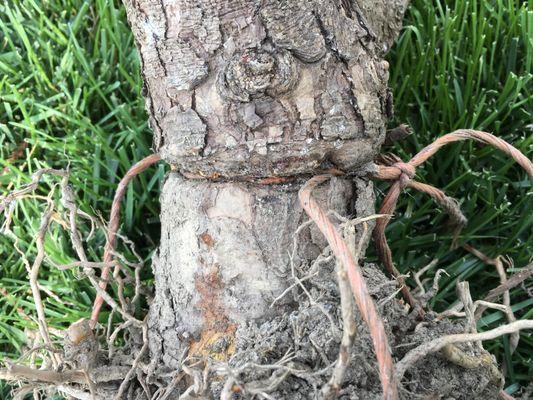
(310, 344)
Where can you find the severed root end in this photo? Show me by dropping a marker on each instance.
(465, 360)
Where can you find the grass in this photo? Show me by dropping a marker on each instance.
(70, 93)
(467, 64)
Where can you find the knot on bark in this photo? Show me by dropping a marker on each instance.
(256, 73)
(406, 171)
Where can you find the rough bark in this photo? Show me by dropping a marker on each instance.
(239, 92)
(226, 257)
(238, 88)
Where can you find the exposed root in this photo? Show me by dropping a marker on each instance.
(362, 298)
(438, 344)
(113, 225)
(16, 372)
(498, 264)
(73, 368)
(332, 388)
(133, 369)
(77, 369)
(402, 173)
(516, 279)
(33, 275)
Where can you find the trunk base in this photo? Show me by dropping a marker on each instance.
(230, 289)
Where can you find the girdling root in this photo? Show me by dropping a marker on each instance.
(364, 301)
(114, 223)
(352, 288)
(403, 173)
(333, 387)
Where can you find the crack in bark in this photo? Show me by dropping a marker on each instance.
(363, 22)
(353, 100)
(165, 17)
(158, 53)
(329, 37)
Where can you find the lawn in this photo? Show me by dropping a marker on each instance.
(70, 96)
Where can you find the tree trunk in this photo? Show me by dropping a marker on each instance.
(248, 99)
